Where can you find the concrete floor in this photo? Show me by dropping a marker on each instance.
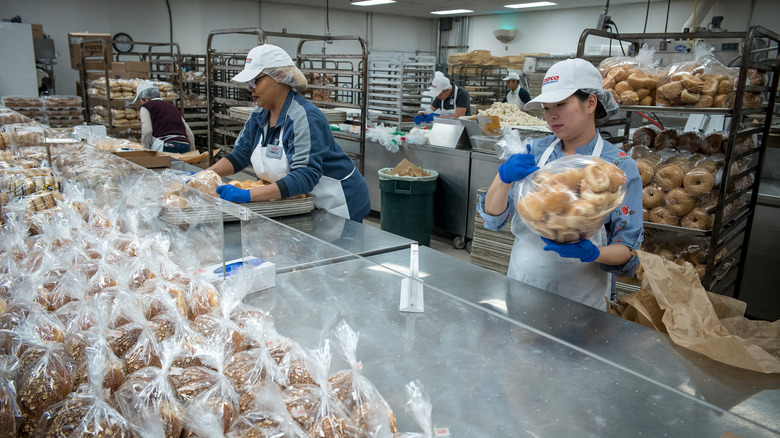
(438, 242)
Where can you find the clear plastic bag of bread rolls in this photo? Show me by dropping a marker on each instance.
(266, 415)
(149, 404)
(701, 81)
(568, 199)
(10, 415)
(631, 79)
(364, 405)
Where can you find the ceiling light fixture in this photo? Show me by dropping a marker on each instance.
(530, 5)
(452, 11)
(371, 2)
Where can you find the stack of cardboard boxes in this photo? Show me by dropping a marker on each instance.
(98, 56)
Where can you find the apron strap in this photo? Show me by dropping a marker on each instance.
(546, 155)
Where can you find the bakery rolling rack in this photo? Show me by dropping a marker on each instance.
(397, 86)
(728, 239)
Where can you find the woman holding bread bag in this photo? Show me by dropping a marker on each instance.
(574, 102)
(288, 142)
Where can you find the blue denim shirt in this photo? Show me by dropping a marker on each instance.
(624, 225)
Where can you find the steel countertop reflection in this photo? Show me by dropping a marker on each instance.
(488, 373)
(646, 352)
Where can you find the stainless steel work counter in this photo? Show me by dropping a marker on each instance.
(541, 367)
(623, 344)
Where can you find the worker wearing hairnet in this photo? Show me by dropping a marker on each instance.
(448, 99)
(574, 104)
(288, 142)
(515, 94)
(163, 129)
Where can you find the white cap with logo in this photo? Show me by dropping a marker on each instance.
(563, 79)
(512, 76)
(438, 84)
(261, 58)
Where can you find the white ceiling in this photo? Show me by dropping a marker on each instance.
(423, 8)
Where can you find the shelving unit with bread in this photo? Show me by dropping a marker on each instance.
(108, 94)
(194, 103)
(483, 82)
(721, 248)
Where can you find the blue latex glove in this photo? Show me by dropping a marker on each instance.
(517, 167)
(584, 250)
(234, 194)
(424, 118)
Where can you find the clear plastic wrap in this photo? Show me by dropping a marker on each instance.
(365, 406)
(568, 199)
(267, 417)
(420, 408)
(10, 415)
(632, 80)
(702, 82)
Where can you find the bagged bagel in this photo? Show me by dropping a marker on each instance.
(632, 80)
(568, 199)
(702, 82)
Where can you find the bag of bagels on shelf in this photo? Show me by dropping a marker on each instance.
(702, 82)
(631, 79)
(568, 199)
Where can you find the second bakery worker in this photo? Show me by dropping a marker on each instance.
(163, 129)
(515, 94)
(287, 141)
(448, 100)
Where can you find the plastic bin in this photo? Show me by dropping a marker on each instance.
(407, 205)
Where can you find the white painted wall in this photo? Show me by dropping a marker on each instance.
(558, 31)
(147, 20)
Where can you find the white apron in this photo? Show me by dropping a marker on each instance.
(568, 277)
(454, 96)
(513, 97)
(270, 164)
(158, 143)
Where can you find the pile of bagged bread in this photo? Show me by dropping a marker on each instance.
(700, 82)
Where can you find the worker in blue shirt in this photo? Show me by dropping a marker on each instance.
(288, 142)
(574, 103)
(515, 94)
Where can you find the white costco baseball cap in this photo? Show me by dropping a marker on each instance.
(438, 84)
(563, 79)
(512, 76)
(261, 58)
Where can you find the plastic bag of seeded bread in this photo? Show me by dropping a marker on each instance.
(363, 402)
(568, 199)
(631, 79)
(702, 82)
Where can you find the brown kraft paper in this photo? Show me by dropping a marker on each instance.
(672, 300)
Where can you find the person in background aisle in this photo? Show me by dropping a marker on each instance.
(288, 142)
(163, 128)
(516, 94)
(449, 100)
(574, 103)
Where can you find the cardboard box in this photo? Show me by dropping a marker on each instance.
(141, 66)
(96, 64)
(118, 66)
(91, 49)
(129, 75)
(146, 158)
(263, 272)
(37, 31)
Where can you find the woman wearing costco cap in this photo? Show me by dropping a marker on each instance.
(288, 142)
(574, 103)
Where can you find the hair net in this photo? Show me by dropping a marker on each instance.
(289, 75)
(607, 102)
(149, 93)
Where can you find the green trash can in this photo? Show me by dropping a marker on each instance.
(407, 205)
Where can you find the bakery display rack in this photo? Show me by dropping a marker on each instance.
(164, 65)
(397, 83)
(733, 217)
